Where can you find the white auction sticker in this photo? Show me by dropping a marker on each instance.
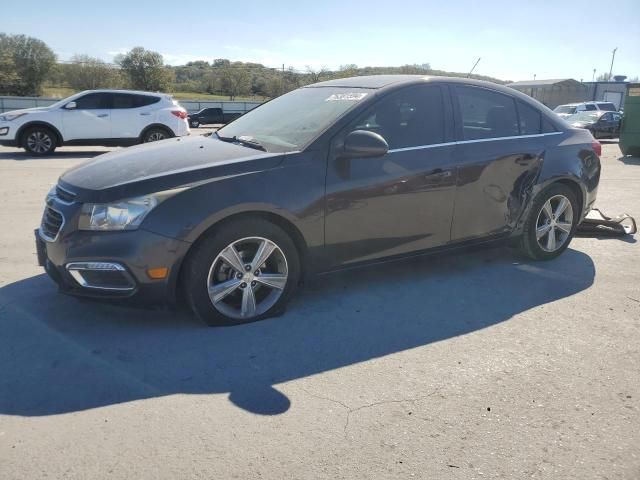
(346, 97)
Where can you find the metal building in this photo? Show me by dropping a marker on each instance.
(554, 92)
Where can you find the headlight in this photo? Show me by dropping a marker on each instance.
(122, 215)
(7, 117)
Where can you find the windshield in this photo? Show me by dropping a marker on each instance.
(290, 122)
(565, 109)
(584, 117)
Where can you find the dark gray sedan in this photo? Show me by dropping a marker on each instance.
(332, 175)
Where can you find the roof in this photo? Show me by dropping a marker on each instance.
(382, 81)
(370, 81)
(116, 90)
(544, 83)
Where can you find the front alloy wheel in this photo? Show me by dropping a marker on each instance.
(241, 271)
(247, 278)
(39, 141)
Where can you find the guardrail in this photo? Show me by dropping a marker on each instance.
(17, 103)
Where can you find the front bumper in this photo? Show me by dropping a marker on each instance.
(112, 264)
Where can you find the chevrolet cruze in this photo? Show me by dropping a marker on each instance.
(332, 175)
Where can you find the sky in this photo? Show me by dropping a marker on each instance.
(515, 40)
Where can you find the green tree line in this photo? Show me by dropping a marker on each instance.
(27, 64)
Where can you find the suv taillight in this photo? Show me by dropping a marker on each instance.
(597, 147)
(179, 114)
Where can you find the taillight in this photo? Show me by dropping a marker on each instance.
(597, 147)
(179, 113)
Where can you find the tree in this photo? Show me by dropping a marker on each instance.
(86, 73)
(145, 69)
(24, 64)
(235, 79)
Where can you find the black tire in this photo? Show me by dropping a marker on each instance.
(194, 124)
(529, 244)
(39, 141)
(201, 263)
(156, 134)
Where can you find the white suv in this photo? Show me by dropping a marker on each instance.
(95, 117)
(564, 111)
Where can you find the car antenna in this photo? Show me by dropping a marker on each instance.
(474, 67)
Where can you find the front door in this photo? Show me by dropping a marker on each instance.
(91, 119)
(400, 202)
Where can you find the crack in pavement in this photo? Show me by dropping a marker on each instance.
(351, 410)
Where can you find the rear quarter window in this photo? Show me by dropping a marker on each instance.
(609, 107)
(529, 119)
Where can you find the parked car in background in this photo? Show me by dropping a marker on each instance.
(329, 176)
(571, 108)
(601, 124)
(95, 117)
(208, 116)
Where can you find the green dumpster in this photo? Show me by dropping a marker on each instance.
(630, 129)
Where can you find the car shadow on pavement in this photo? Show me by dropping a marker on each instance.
(19, 156)
(60, 354)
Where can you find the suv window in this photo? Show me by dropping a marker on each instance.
(128, 100)
(93, 101)
(411, 117)
(486, 114)
(607, 106)
(590, 106)
(529, 119)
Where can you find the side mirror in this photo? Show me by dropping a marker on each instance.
(71, 106)
(364, 144)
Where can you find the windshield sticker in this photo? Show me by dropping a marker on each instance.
(346, 97)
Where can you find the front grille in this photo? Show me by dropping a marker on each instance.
(65, 195)
(52, 222)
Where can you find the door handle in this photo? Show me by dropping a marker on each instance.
(102, 115)
(145, 113)
(438, 173)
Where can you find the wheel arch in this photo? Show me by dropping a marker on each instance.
(38, 123)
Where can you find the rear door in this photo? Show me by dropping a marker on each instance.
(132, 113)
(91, 119)
(499, 154)
(402, 201)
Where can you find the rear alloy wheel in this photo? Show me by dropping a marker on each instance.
(551, 223)
(242, 273)
(39, 141)
(155, 134)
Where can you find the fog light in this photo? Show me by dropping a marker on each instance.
(158, 273)
(4, 131)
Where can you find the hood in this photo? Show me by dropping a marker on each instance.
(162, 165)
(27, 110)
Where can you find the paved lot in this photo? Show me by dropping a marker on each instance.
(459, 367)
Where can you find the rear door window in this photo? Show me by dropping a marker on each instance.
(411, 117)
(486, 114)
(123, 100)
(590, 106)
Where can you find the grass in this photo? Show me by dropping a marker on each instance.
(63, 92)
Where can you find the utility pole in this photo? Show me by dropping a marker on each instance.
(474, 67)
(534, 76)
(282, 80)
(593, 77)
(613, 56)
